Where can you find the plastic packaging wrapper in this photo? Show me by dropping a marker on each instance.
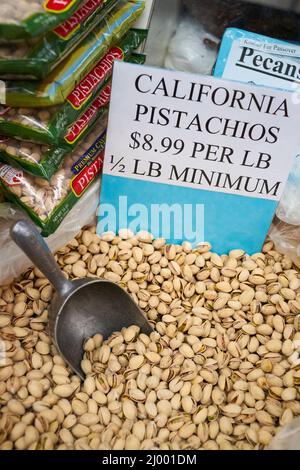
(289, 208)
(47, 203)
(50, 125)
(59, 84)
(21, 19)
(288, 438)
(286, 238)
(164, 23)
(36, 59)
(43, 161)
(192, 49)
(13, 260)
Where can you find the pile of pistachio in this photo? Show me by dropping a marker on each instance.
(220, 371)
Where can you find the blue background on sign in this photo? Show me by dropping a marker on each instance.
(230, 221)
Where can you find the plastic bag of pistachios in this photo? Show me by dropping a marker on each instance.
(43, 161)
(49, 125)
(48, 202)
(35, 59)
(21, 19)
(13, 260)
(286, 238)
(59, 84)
(288, 438)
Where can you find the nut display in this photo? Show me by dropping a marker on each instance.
(220, 371)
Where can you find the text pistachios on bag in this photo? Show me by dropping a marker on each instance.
(48, 203)
(22, 19)
(35, 59)
(59, 84)
(50, 125)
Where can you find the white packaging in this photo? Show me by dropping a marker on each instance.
(192, 49)
(288, 438)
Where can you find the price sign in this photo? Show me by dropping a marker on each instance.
(195, 158)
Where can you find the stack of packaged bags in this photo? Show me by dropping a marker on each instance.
(56, 59)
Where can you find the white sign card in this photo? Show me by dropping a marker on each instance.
(196, 158)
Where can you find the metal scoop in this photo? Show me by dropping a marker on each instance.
(80, 308)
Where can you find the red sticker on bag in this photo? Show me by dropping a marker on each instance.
(58, 6)
(10, 175)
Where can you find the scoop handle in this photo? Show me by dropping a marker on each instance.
(25, 234)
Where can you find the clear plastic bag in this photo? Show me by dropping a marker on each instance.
(192, 49)
(289, 208)
(13, 260)
(286, 238)
(288, 438)
(50, 125)
(213, 17)
(43, 161)
(285, 230)
(164, 23)
(47, 203)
